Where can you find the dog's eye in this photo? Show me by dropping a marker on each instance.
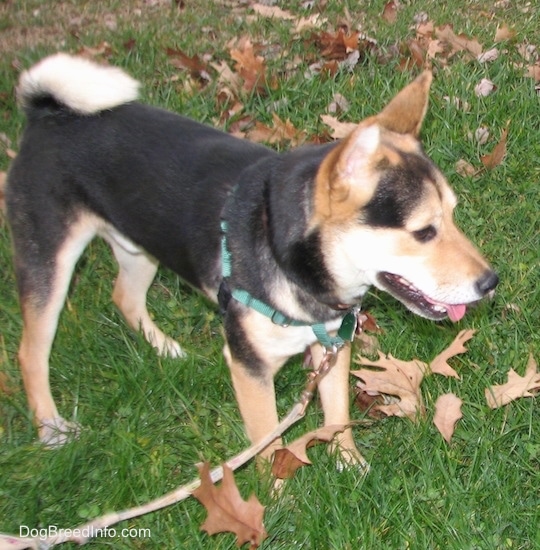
(425, 234)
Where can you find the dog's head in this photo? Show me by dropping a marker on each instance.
(385, 215)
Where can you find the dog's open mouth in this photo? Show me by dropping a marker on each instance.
(418, 302)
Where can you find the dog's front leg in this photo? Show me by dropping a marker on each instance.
(256, 399)
(334, 393)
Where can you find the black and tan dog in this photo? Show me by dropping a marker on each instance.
(307, 232)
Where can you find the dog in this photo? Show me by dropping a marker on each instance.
(287, 243)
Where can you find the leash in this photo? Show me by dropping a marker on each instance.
(332, 344)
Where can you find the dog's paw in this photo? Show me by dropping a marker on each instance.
(351, 459)
(171, 348)
(55, 432)
(164, 345)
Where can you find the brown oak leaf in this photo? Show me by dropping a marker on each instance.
(336, 46)
(394, 377)
(439, 365)
(458, 42)
(389, 13)
(339, 129)
(294, 456)
(447, 413)
(504, 32)
(197, 68)
(251, 67)
(517, 386)
(227, 511)
(282, 132)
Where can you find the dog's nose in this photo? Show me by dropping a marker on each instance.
(487, 282)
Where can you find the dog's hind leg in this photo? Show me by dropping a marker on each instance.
(43, 275)
(136, 273)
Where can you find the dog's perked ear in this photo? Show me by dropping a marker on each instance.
(349, 174)
(405, 113)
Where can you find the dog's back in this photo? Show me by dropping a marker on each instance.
(77, 156)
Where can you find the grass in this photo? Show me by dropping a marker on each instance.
(148, 420)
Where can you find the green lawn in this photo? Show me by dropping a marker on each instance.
(148, 420)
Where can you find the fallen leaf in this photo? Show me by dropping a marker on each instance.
(516, 386)
(393, 377)
(417, 54)
(370, 403)
(481, 135)
(439, 365)
(496, 156)
(489, 56)
(447, 413)
(228, 79)
(294, 456)
(314, 20)
(434, 48)
(339, 129)
(465, 169)
(227, 511)
(528, 51)
(336, 46)
(504, 32)
(339, 103)
(533, 71)
(251, 67)
(389, 13)
(272, 11)
(285, 464)
(459, 42)
(484, 88)
(282, 132)
(104, 49)
(194, 64)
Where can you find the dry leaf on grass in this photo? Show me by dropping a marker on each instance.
(447, 413)
(394, 377)
(394, 388)
(496, 156)
(197, 68)
(458, 42)
(489, 56)
(272, 11)
(439, 365)
(389, 13)
(294, 456)
(484, 88)
(465, 168)
(504, 32)
(251, 67)
(517, 386)
(339, 129)
(227, 511)
(282, 132)
(533, 71)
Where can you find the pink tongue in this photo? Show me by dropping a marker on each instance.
(455, 312)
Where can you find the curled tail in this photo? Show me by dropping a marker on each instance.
(81, 85)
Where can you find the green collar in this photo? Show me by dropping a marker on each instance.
(345, 332)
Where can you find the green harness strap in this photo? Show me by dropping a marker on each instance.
(345, 332)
